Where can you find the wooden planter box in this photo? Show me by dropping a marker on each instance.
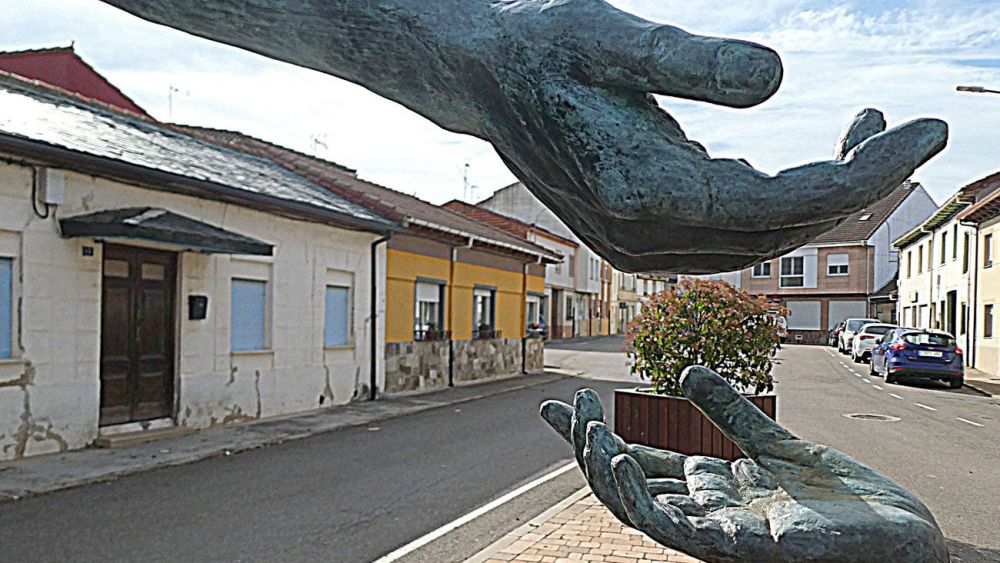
(675, 424)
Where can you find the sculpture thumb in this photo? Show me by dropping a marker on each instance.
(742, 422)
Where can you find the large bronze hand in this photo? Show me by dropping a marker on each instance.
(562, 89)
(790, 500)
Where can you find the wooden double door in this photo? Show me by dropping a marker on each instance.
(137, 334)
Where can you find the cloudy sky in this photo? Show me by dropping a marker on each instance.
(904, 57)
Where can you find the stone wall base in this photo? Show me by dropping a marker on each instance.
(424, 366)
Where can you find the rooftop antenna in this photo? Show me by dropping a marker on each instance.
(318, 140)
(468, 190)
(170, 99)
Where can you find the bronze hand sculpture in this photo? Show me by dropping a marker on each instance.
(562, 89)
(789, 500)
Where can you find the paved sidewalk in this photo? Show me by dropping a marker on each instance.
(577, 529)
(982, 381)
(47, 473)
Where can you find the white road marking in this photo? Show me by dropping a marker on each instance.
(428, 538)
(868, 381)
(969, 422)
(876, 386)
(895, 395)
(925, 407)
(858, 374)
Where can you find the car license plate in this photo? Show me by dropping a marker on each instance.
(929, 354)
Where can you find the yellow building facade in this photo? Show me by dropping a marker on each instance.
(458, 312)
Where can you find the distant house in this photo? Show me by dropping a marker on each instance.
(152, 281)
(559, 276)
(938, 266)
(459, 292)
(600, 300)
(832, 278)
(983, 217)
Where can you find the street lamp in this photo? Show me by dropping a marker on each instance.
(976, 90)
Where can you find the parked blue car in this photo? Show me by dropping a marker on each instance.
(920, 354)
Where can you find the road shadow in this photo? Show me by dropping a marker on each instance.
(939, 386)
(968, 553)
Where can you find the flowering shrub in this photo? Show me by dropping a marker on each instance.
(707, 323)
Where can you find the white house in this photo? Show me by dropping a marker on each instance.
(150, 280)
(937, 277)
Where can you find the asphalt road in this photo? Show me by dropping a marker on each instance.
(347, 496)
(357, 494)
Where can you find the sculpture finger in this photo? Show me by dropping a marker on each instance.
(603, 446)
(742, 422)
(666, 486)
(666, 523)
(868, 123)
(643, 56)
(559, 415)
(658, 463)
(587, 408)
(684, 503)
(874, 169)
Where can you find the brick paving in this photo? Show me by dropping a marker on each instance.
(583, 531)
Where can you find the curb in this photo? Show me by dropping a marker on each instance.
(978, 389)
(516, 534)
(10, 495)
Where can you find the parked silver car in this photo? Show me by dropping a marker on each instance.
(851, 327)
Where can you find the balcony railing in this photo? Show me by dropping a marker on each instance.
(431, 335)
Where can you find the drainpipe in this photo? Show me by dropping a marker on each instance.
(373, 375)
(451, 309)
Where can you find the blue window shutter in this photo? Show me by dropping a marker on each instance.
(249, 315)
(337, 316)
(6, 305)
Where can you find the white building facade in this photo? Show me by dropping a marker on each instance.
(171, 284)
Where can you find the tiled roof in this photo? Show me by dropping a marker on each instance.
(56, 124)
(988, 205)
(980, 191)
(390, 202)
(511, 225)
(861, 225)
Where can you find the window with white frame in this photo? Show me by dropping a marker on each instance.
(762, 270)
(337, 323)
(793, 271)
(248, 318)
(533, 311)
(6, 307)
(944, 247)
(484, 310)
(428, 314)
(988, 251)
(837, 264)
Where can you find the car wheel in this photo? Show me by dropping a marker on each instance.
(956, 383)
